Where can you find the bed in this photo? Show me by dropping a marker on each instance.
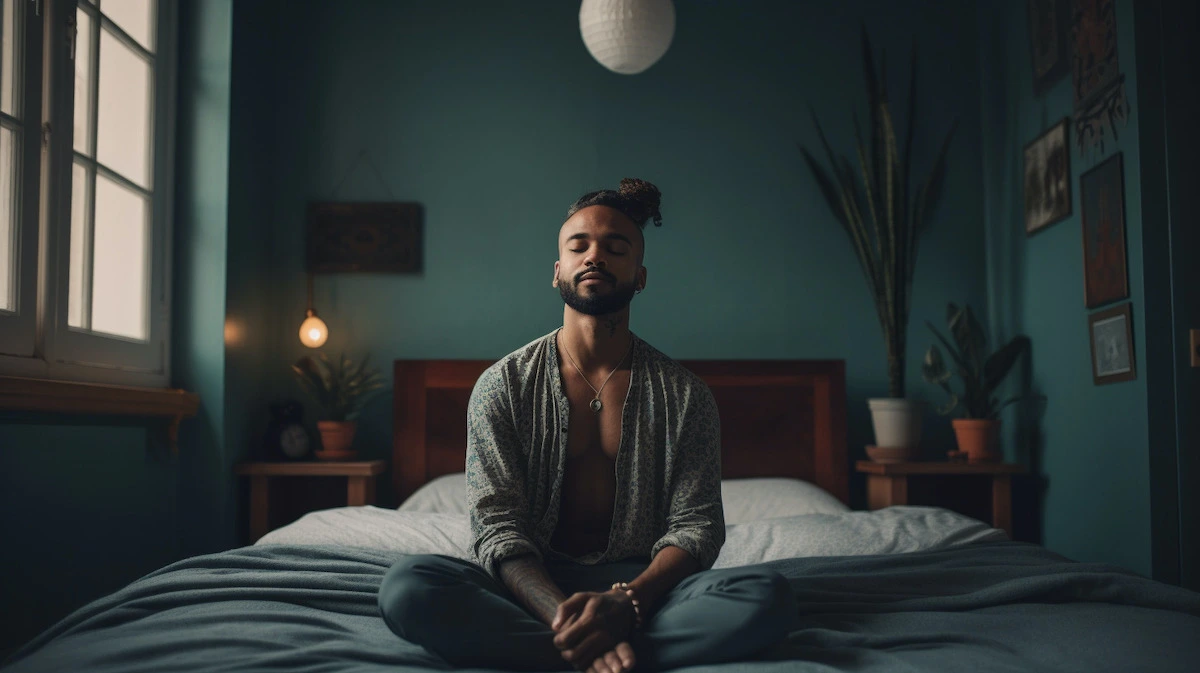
(899, 589)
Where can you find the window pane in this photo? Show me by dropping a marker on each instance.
(119, 292)
(79, 219)
(10, 55)
(123, 130)
(135, 17)
(83, 84)
(8, 218)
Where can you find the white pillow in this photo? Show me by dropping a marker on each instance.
(378, 528)
(446, 494)
(744, 499)
(892, 530)
(775, 497)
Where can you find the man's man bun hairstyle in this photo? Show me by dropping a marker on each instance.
(635, 198)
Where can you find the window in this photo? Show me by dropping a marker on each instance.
(85, 192)
(20, 54)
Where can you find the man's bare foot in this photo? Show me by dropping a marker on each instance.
(618, 660)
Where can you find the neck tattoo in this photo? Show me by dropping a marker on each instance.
(612, 325)
(596, 404)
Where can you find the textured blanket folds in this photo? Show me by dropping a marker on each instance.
(985, 606)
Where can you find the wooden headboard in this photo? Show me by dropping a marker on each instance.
(779, 418)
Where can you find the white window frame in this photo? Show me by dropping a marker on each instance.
(18, 328)
(59, 351)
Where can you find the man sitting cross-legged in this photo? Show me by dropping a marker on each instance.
(594, 484)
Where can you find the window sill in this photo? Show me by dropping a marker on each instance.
(71, 397)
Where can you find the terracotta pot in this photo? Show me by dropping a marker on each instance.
(977, 438)
(336, 438)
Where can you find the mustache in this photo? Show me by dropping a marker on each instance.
(606, 275)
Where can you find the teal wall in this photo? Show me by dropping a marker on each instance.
(88, 505)
(202, 251)
(253, 328)
(495, 120)
(1090, 443)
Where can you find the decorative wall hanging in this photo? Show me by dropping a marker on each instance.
(1102, 202)
(364, 237)
(1111, 334)
(1047, 41)
(1100, 102)
(1047, 178)
(627, 36)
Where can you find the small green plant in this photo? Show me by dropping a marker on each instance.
(981, 373)
(342, 389)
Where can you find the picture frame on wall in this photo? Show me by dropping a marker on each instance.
(1102, 209)
(1098, 84)
(1048, 22)
(1111, 334)
(366, 237)
(1047, 181)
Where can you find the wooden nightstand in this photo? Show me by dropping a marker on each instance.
(888, 483)
(360, 484)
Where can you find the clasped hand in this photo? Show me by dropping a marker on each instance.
(592, 631)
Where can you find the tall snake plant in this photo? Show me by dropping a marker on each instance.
(876, 208)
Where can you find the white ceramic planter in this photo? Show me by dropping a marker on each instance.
(897, 422)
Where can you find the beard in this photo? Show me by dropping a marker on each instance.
(599, 304)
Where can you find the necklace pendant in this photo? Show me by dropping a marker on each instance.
(595, 405)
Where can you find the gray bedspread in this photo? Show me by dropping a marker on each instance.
(994, 606)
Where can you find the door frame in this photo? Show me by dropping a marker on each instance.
(1169, 144)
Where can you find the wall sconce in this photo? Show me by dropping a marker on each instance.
(313, 331)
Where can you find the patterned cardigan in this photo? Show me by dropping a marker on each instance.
(668, 465)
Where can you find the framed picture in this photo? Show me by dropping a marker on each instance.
(376, 237)
(1099, 86)
(1111, 334)
(1102, 203)
(1048, 21)
(1047, 178)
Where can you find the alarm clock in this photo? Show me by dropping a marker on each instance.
(293, 441)
(286, 438)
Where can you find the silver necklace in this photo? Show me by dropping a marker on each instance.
(596, 404)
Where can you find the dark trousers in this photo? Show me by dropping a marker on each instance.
(456, 610)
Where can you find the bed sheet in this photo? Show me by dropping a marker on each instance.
(985, 606)
(891, 530)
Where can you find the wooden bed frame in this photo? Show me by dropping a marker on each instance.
(779, 418)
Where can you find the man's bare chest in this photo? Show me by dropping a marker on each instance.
(593, 435)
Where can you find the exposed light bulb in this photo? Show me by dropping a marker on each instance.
(313, 331)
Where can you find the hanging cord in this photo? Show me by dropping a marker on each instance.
(350, 169)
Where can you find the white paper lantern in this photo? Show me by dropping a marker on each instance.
(627, 36)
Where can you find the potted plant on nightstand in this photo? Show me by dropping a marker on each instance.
(884, 214)
(978, 430)
(341, 389)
